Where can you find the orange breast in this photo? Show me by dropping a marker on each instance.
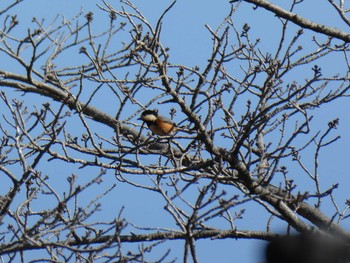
(162, 128)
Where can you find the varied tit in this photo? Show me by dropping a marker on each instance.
(158, 124)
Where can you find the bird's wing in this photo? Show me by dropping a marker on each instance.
(163, 118)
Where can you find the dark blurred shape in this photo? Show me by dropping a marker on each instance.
(307, 248)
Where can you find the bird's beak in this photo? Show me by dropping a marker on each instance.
(140, 119)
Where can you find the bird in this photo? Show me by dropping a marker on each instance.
(158, 124)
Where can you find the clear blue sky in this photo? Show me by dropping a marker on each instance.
(185, 34)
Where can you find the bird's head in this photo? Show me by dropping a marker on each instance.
(149, 115)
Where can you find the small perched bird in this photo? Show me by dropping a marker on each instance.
(158, 124)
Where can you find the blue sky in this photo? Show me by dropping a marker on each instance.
(189, 41)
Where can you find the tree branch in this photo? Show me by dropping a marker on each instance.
(300, 21)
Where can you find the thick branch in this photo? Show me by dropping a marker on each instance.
(201, 234)
(302, 22)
